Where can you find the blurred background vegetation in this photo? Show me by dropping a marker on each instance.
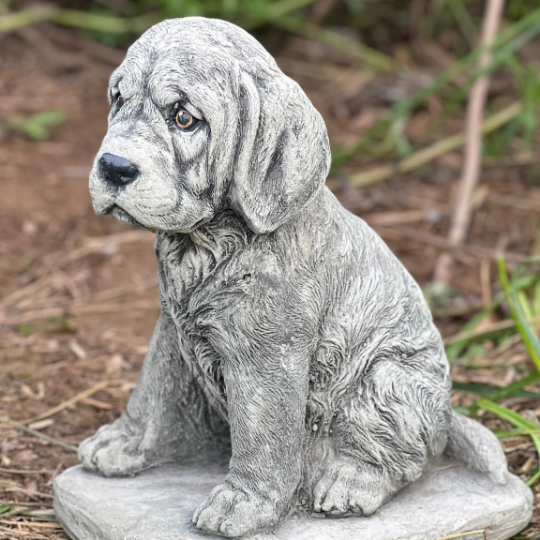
(393, 80)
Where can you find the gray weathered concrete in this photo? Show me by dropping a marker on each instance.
(289, 332)
(159, 505)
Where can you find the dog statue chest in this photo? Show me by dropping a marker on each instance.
(203, 276)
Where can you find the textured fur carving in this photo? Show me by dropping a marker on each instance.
(287, 324)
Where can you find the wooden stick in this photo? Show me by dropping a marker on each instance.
(38, 434)
(473, 149)
(22, 471)
(461, 535)
(81, 395)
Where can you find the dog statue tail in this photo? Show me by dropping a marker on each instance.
(477, 446)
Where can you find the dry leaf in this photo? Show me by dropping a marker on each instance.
(24, 455)
(26, 391)
(41, 424)
(114, 364)
(96, 403)
(77, 350)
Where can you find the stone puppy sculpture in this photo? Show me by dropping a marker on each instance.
(286, 323)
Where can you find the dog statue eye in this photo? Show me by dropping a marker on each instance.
(184, 119)
(120, 101)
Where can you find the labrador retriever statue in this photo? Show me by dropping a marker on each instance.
(287, 325)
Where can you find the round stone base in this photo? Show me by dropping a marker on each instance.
(158, 505)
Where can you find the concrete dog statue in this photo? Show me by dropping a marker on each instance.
(287, 325)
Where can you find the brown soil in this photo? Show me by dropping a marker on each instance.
(78, 296)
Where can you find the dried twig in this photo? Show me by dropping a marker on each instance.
(461, 535)
(97, 404)
(396, 218)
(64, 405)
(505, 324)
(22, 471)
(49, 307)
(438, 149)
(28, 290)
(31, 524)
(517, 203)
(473, 148)
(38, 434)
(442, 243)
(79, 310)
(97, 309)
(48, 313)
(99, 244)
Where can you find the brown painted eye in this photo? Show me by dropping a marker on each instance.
(120, 101)
(184, 119)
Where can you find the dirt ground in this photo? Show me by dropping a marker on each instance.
(78, 295)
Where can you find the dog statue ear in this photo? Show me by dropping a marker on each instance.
(283, 154)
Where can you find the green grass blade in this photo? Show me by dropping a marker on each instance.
(536, 299)
(531, 483)
(515, 388)
(273, 11)
(374, 59)
(454, 350)
(508, 414)
(527, 334)
(464, 21)
(506, 433)
(494, 394)
(517, 420)
(524, 264)
(456, 69)
(524, 304)
(508, 41)
(465, 411)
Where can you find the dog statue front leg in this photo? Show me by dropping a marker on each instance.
(266, 403)
(153, 430)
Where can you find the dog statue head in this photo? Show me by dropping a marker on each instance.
(203, 120)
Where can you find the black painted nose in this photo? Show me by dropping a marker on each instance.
(117, 170)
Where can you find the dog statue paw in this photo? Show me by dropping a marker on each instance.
(234, 512)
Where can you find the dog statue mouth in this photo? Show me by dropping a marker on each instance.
(121, 215)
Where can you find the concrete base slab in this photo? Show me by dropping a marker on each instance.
(158, 505)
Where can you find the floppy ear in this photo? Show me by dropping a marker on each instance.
(283, 154)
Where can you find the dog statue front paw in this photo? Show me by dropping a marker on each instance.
(114, 450)
(233, 512)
